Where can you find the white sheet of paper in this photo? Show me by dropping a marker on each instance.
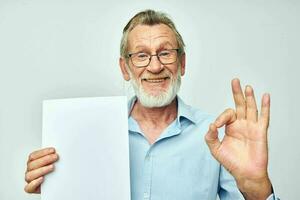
(91, 138)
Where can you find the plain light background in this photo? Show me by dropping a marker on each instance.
(64, 49)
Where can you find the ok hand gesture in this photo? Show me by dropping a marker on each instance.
(244, 148)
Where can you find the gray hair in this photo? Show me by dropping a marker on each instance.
(149, 17)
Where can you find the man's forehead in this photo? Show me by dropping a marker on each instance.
(146, 34)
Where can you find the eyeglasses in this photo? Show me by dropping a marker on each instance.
(165, 57)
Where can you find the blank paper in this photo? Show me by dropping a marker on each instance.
(91, 138)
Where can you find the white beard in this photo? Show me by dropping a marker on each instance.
(160, 100)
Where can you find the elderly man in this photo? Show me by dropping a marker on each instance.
(168, 155)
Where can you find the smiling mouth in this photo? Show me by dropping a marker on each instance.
(155, 80)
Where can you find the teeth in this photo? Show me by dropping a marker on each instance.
(155, 80)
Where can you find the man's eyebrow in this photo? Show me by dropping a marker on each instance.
(162, 45)
(140, 47)
(166, 43)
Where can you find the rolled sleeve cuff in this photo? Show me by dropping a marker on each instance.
(272, 197)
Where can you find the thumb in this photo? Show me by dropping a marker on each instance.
(212, 139)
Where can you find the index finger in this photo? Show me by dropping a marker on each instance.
(40, 153)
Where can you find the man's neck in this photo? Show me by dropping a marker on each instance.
(156, 116)
(153, 121)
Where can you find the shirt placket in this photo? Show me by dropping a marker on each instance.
(147, 175)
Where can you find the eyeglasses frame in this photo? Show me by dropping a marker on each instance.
(130, 56)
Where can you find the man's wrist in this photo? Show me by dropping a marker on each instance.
(259, 189)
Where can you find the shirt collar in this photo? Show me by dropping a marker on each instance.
(185, 115)
(184, 111)
(130, 104)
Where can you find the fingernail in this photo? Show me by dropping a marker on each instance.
(248, 90)
(266, 99)
(236, 79)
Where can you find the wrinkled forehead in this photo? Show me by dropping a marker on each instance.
(151, 37)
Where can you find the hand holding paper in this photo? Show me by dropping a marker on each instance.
(91, 137)
(39, 164)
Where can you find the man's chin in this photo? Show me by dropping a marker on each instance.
(155, 94)
(155, 100)
(154, 97)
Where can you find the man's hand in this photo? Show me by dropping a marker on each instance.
(244, 148)
(39, 164)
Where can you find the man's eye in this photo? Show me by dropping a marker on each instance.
(142, 55)
(164, 53)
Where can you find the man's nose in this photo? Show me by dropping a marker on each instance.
(155, 65)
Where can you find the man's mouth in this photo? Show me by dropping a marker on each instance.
(155, 80)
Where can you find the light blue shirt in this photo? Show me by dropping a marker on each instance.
(179, 165)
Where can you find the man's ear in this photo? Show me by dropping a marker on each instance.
(182, 62)
(122, 64)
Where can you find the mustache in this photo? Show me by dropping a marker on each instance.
(161, 75)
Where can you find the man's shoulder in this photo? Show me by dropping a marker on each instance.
(195, 114)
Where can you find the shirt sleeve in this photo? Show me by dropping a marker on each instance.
(273, 197)
(228, 189)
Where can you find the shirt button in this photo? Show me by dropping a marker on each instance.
(148, 157)
(146, 195)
